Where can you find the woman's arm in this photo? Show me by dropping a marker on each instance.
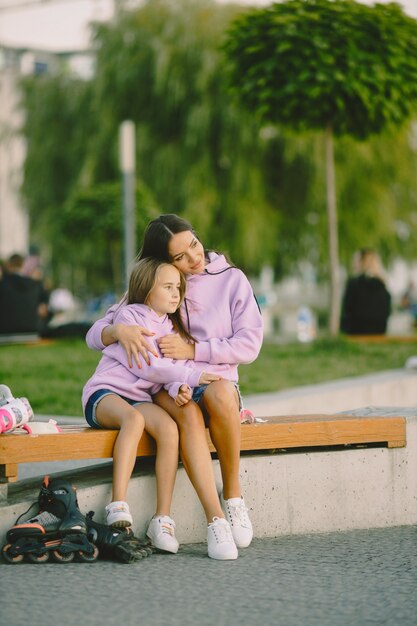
(98, 337)
(131, 337)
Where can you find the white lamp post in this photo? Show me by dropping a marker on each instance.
(127, 169)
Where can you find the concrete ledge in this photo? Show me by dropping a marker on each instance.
(389, 388)
(287, 493)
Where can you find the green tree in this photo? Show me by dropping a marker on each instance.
(332, 65)
(161, 67)
(251, 189)
(92, 218)
(57, 123)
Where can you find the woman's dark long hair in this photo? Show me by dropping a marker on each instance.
(158, 234)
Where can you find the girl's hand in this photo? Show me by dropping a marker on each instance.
(174, 347)
(132, 340)
(206, 378)
(183, 396)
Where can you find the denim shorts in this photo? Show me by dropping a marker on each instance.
(94, 399)
(200, 389)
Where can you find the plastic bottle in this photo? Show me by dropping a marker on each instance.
(306, 326)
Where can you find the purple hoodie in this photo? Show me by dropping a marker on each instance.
(114, 373)
(220, 311)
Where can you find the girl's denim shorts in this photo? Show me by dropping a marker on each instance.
(94, 399)
(199, 392)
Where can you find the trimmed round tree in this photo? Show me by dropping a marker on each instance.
(336, 66)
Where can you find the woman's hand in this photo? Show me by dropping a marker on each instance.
(206, 378)
(184, 395)
(174, 347)
(132, 340)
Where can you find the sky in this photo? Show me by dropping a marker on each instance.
(62, 25)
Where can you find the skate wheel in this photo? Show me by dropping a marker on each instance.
(8, 557)
(37, 558)
(84, 557)
(59, 557)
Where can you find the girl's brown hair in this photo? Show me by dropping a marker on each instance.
(141, 282)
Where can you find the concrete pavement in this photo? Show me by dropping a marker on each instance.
(358, 578)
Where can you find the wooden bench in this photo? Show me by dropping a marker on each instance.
(300, 431)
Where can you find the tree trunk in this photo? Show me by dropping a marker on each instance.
(334, 316)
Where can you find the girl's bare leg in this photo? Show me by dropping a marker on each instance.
(114, 412)
(221, 402)
(164, 430)
(194, 451)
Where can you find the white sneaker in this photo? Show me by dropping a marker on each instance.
(118, 514)
(221, 545)
(237, 515)
(161, 532)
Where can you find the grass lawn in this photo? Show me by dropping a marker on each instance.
(52, 375)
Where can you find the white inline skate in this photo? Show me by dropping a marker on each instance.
(14, 412)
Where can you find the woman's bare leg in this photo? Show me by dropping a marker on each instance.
(194, 451)
(114, 412)
(221, 402)
(164, 430)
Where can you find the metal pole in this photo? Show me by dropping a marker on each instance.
(127, 168)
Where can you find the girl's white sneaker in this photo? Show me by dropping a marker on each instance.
(161, 532)
(118, 514)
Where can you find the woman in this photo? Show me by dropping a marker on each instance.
(221, 313)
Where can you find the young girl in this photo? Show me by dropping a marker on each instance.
(221, 312)
(119, 396)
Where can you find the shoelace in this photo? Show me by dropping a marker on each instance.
(239, 512)
(222, 531)
(167, 525)
(168, 529)
(119, 508)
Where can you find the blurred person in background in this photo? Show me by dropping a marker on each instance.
(23, 301)
(366, 304)
(409, 301)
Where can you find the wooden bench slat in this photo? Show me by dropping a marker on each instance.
(79, 443)
(301, 431)
(324, 430)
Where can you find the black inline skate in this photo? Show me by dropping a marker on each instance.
(117, 543)
(59, 529)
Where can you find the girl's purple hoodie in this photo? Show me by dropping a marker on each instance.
(220, 311)
(114, 373)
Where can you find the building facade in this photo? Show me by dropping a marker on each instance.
(15, 63)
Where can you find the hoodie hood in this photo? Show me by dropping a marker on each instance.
(222, 314)
(217, 264)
